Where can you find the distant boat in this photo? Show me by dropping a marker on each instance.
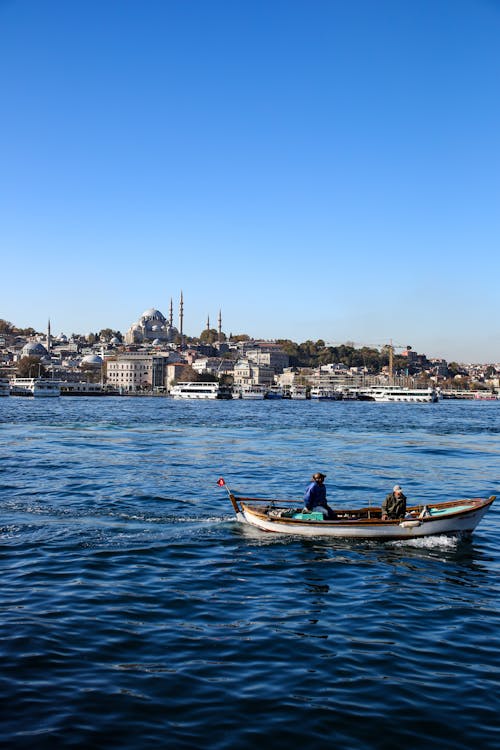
(387, 393)
(431, 519)
(37, 387)
(200, 391)
(274, 392)
(321, 393)
(252, 392)
(298, 392)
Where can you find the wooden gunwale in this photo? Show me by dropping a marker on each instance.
(476, 504)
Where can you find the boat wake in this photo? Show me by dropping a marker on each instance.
(440, 541)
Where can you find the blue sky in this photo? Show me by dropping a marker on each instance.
(313, 169)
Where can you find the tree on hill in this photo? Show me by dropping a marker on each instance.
(239, 337)
(107, 334)
(208, 336)
(6, 326)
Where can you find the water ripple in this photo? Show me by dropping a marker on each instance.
(136, 611)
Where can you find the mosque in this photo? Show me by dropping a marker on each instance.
(153, 327)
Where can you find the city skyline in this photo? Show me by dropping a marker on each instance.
(323, 171)
(166, 341)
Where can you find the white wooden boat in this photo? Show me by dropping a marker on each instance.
(431, 519)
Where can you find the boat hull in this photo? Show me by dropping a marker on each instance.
(460, 517)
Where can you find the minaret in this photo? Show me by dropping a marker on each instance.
(49, 337)
(219, 329)
(181, 320)
(171, 316)
(208, 322)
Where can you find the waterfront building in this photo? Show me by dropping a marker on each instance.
(130, 372)
(250, 373)
(274, 358)
(134, 371)
(213, 365)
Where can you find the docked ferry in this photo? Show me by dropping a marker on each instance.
(37, 387)
(298, 392)
(251, 392)
(200, 390)
(4, 386)
(398, 393)
(320, 393)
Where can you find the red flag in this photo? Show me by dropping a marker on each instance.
(221, 482)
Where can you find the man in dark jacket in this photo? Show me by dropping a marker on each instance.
(315, 496)
(394, 505)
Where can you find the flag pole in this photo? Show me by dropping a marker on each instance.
(221, 482)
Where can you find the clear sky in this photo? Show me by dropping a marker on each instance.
(313, 168)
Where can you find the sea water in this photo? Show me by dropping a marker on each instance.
(136, 612)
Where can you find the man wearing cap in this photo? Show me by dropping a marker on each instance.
(315, 496)
(394, 505)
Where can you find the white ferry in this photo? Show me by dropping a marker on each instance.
(4, 386)
(252, 392)
(37, 387)
(200, 390)
(71, 388)
(298, 392)
(321, 393)
(387, 393)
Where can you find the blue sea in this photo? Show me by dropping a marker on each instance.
(136, 612)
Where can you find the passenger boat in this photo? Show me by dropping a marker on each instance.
(274, 392)
(298, 392)
(200, 390)
(252, 392)
(430, 519)
(320, 393)
(37, 387)
(398, 393)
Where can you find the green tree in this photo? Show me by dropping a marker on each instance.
(240, 337)
(208, 336)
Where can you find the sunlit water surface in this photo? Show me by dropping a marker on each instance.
(136, 612)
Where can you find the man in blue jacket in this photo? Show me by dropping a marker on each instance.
(315, 496)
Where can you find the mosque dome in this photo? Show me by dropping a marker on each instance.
(115, 341)
(34, 349)
(153, 315)
(91, 360)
